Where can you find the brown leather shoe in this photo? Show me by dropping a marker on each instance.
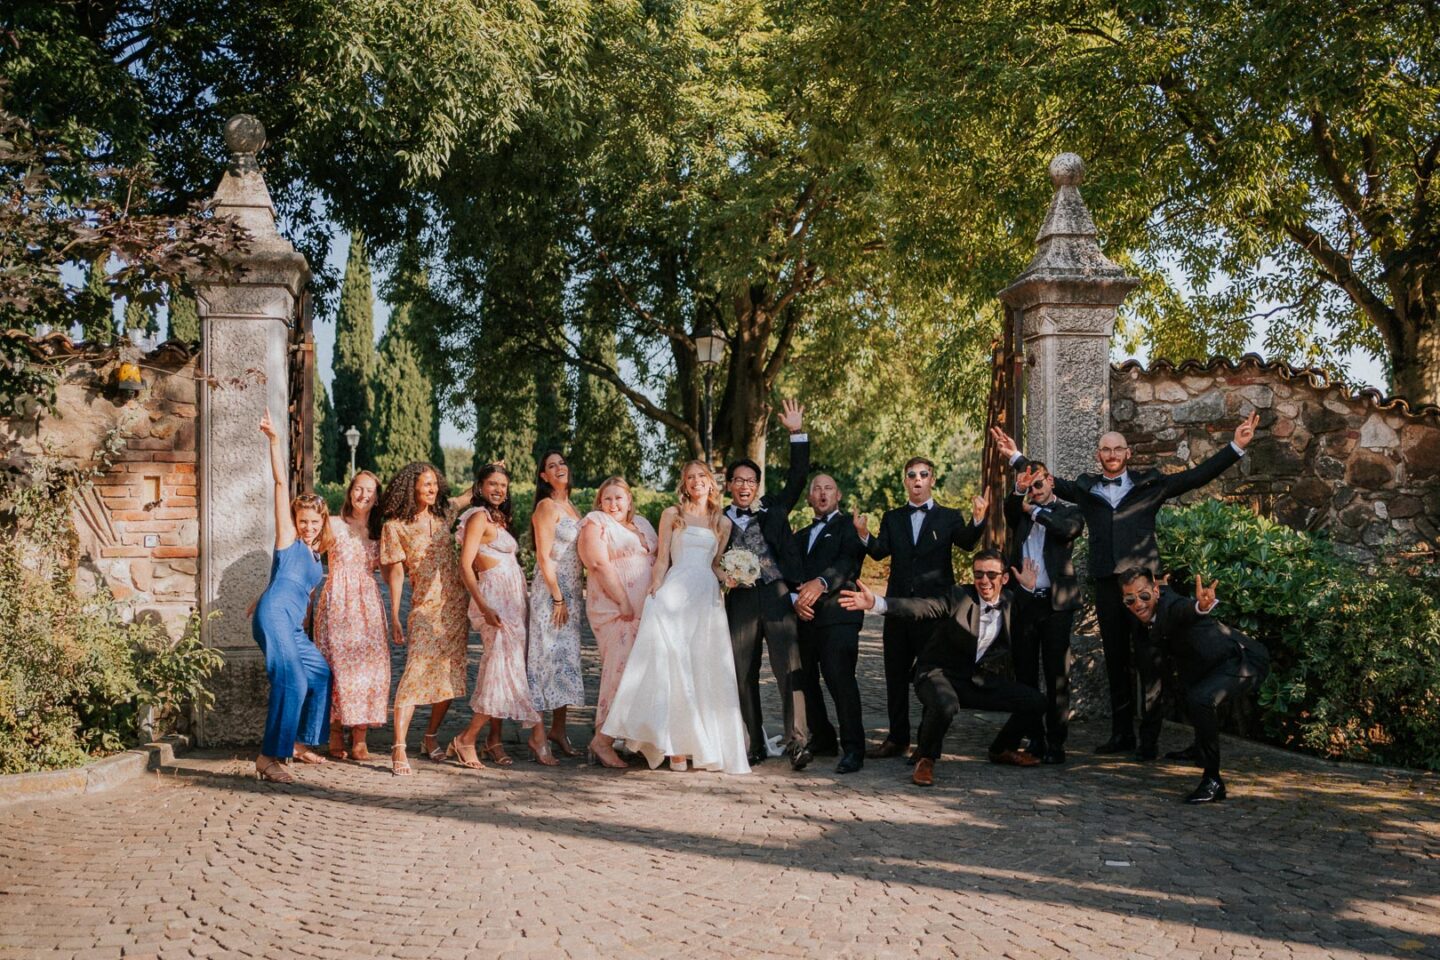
(887, 749)
(1015, 758)
(924, 775)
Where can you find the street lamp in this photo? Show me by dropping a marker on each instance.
(709, 350)
(352, 437)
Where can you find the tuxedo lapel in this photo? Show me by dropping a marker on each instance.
(926, 523)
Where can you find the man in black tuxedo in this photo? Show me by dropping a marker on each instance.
(1044, 528)
(918, 538)
(1119, 505)
(1216, 662)
(829, 634)
(762, 526)
(973, 629)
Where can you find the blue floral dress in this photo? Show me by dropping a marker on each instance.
(552, 662)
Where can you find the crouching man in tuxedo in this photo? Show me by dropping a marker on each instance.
(829, 634)
(1216, 662)
(973, 630)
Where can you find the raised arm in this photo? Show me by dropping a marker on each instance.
(967, 535)
(1223, 459)
(1064, 520)
(284, 523)
(1005, 445)
(793, 418)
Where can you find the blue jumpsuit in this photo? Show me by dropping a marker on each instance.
(299, 676)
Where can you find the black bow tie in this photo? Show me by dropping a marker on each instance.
(821, 521)
(918, 508)
(1111, 481)
(744, 512)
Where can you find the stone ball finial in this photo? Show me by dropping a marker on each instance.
(1067, 169)
(244, 137)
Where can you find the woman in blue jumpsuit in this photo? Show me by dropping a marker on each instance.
(299, 711)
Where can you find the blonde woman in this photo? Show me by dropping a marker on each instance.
(618, 550)
(678, 696)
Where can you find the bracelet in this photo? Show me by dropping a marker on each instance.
(559, 602)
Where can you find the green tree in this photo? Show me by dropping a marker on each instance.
(184, 317)
(405, 405)
(140, 317)
(329, 466)
(354, 364)
(99, 327)
(606, 439)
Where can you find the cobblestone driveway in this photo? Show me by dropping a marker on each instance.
(1095, 859)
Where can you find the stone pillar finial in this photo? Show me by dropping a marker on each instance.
(247, 318)
(1065, 302)
(244, 138)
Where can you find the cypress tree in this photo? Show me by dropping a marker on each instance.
(184, 317)
(140, 317)
(330, 467)
(606, 440)
(403, 423)
(100, 325)
(354, 364)
(504, 408)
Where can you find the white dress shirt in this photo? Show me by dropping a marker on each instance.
(818, 527)
(1034, 549)
(917, 519)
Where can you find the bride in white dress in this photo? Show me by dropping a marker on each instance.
(677, 697)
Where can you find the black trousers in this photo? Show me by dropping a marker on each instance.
(944, 694)
(1127, 653)
(1205, 697)
(831, 651)
(1041, 648)
(764, 612)
(901, 643)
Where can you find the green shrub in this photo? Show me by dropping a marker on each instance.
(1355, 652)
(77, 676)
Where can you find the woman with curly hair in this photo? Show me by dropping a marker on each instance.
(557, 603)
(416, 541)
(350, 621)
(299, 710)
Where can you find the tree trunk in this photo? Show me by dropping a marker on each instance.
(745, 410)
(1415, 366)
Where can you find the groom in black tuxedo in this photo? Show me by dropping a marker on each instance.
(762, 526)
(830, 634)
(918, 538)
(1120, 506)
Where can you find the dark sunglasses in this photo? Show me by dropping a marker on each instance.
(989, 574)
(1144, 596)
(917, 474)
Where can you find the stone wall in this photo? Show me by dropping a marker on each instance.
(138, 523)
(1363, 468)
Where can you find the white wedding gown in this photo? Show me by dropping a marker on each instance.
(678, 696)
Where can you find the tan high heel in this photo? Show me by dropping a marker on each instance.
(543, 756)
(267, 772)
(399, 765)
(456, 751)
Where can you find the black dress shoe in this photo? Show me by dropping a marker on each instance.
(852, 761)
(1053, 755)
(1190, 754)
(756, 759)
(800, 756)
(1147, 752)
(1119, 743)
(825, 747)
(1211, 790)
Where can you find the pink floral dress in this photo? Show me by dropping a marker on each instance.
(501, 689)
(633, 556)
(437, 630)
(350, 630)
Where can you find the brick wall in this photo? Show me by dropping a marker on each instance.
(1361, 467)
(138, 525)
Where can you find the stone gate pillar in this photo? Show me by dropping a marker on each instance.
(1065, 303)
(246, 321)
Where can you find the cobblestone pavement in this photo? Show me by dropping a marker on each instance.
(1094, 859)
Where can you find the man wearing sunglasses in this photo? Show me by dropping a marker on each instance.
(1120, 505)
(917, 538)
(973, 629)
(1044, 528)
(1216, 662)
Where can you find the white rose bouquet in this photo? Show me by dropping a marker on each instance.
(742, 566)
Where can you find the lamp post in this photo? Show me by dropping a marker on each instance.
(709, 350)
(352, 437)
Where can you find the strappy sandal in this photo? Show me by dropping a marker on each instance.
(310, 757)
(399, 766)
(562, 743)
(496, 754)
(456, 751)
(274, 772)
(543, 756)
(435, 753)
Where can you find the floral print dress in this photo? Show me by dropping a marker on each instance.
(350, 630)
(438, 628)
(501, 687)
(553, 662)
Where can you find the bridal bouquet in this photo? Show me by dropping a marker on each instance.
(742, 566)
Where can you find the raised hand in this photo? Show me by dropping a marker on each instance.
(1003, 443)
(1205, 598)
(1024, 479)
(978, 506)
(861, 599)
(1027, 574)
(792, 416)
(267, 427)
(862, 523)
(1246, 431)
